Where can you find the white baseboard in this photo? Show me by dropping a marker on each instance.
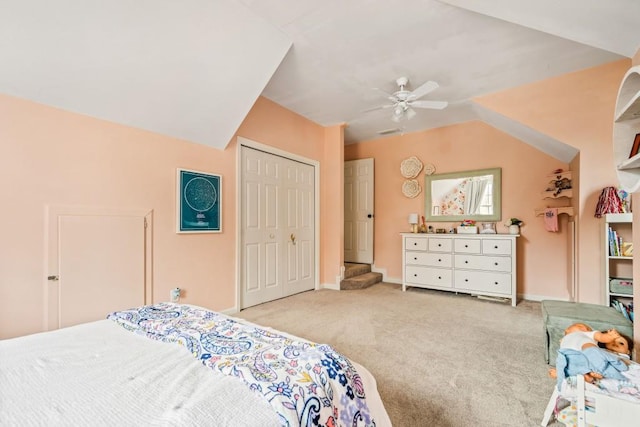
(385, 278)
(539, 298)
(332, 286)
(229, 311)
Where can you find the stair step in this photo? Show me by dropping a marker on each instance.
(352, 270)
(361, 281)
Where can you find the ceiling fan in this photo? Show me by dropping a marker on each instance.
(403, 101)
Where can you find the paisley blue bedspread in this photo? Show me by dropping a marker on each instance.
(307, 384)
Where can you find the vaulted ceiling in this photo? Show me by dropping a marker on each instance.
(193, 69)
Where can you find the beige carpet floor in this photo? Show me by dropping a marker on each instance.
(440, 359)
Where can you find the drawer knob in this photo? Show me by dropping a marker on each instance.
(495, 247)
(466, 262)
(439, 245)
(415, 275)
(495, 263)
(415, 244)
(495, 283)
(439, 277)
(415, 258)
(466, 280)
(466, 246)
(439, 260)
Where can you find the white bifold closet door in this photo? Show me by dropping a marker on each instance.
(277, 227)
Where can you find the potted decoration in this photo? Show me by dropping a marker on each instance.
(514, 225)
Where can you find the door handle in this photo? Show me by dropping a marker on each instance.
(54, 278)
(370, 216)
(293, 238)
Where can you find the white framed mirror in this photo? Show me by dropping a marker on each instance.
(476, 195)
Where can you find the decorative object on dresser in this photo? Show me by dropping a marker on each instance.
(481, 264)
(488, 228)
(413, 220)
(514, 225)
(468, 226)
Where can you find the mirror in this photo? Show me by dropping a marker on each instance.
(452, 197)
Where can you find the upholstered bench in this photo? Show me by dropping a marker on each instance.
(557, 315)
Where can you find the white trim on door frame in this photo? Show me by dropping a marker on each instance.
(275, 151)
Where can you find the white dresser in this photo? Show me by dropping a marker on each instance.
(478, 264)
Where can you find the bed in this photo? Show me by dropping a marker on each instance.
(182, 365)
(606, 403)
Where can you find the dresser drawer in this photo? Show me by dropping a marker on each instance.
(440, 244)
(482, 281)
(467, 246)
(496, 247)
(440, 277)
(428, 259)
(480, 262)
(415, 243)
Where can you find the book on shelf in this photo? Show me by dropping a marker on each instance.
(625, 309)
(617, 247)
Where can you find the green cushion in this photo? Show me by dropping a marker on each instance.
(557, 315)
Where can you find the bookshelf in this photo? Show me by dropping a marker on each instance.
(618, 248)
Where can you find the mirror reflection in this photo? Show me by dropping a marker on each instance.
(463, 195)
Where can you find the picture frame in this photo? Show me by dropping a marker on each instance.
(198, 202)
(635, 148)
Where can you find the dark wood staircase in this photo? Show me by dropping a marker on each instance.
(358, 276)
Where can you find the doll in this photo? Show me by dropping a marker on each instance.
(579, 354)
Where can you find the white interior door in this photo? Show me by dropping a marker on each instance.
(98, 266)
(277, 227)
(299, 184)
(358, 211)
(261, 239)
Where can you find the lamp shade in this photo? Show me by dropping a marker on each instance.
(413, 218)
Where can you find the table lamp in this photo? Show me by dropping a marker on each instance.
(413, 220)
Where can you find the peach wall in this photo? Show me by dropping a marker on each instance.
(49, 156)
(332, 212)
(577, 109)
(467, 146)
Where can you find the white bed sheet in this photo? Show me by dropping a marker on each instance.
(99, 374)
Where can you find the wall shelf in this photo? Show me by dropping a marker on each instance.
(561, 211)
(559, 186)
(625, 127)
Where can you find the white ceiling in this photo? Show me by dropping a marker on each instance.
(193, 68)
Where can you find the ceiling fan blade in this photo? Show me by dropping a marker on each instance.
(436, 105)
(424, 89)
(379, 107)
(388, 95)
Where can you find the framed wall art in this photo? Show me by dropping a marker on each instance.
(199, 200)
(635, 148)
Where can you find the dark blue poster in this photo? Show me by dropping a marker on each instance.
(199, 199)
